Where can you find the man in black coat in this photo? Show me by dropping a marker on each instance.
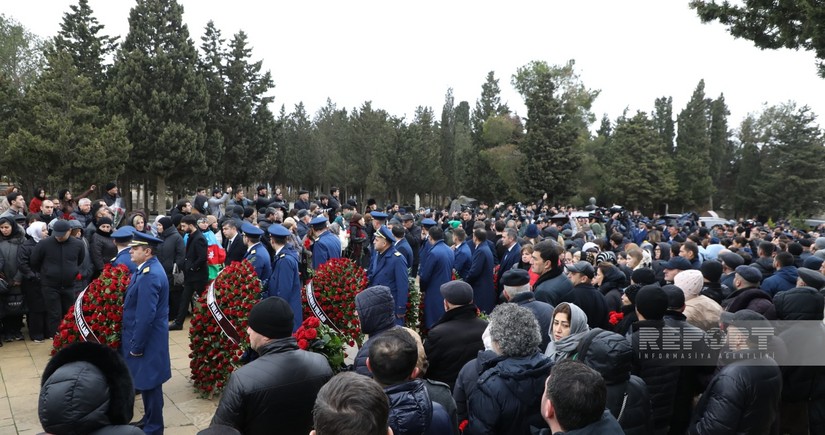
(232, 242)
(516, 284)
(587, 296)
(456, 338)
(195, 270)
(274, 393)
(58, 259)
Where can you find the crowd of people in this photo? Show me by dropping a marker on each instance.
(535, 317)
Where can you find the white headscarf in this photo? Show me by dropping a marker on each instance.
(35, 230)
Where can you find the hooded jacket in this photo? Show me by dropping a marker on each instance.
(86, 389)
(376, 312)
(413, 412)
(781, 280)
(507, 397)
(467, 380)
(171, 251)
(613, 283)
(610, 354)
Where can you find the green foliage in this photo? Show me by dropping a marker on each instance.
(553, 129)
(21, 54)
(79, 37)
(771, 24)
(692, 156)
(506, 162)
(749, 169)
(721, 153)
(159, 92)
(663, 120)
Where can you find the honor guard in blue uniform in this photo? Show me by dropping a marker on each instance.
(390, 269)
(326, 246)
(437, 270)
(145, 333)
(256, 253)
(285, 281)
(122, 237)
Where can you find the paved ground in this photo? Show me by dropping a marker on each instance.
(22, 363)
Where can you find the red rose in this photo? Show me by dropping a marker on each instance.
(303, 344)
(311, 334)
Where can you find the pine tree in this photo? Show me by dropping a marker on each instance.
(447, 132)
(80, 37)
(21, 54)
(163, 98)
(749, 170)
(663, 120)
(721, 152)
(692, 156)
(212, 67)
(330, 132)
(295, 153)
(551, 158)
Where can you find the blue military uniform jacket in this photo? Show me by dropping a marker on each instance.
(124, 257)
(260, 259)
(511, 258)
(403, 246)
(285, 282)
(145, 326)
(437, 270)
(480, 277)
(325, 248)
(463, 260)
(390, 269)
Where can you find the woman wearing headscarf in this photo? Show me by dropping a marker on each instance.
(11, 305)
(32, 292)
(568, 327)
(611, 282)
(102, 248)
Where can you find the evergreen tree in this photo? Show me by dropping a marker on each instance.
(592, 178)
(551, 158)
(663, 120)
(462, 176)
(63, 138)
(330, 132)
(295, 153)
(423, 142)
(21, 54)
(749, 169)
(638, 172)
(447, 130)
(692, 156)
(160, 93)
(372, 134)
(488, 105)
(212, 67)
(80, 37)
(721, 152)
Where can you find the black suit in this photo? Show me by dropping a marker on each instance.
(195, 272)
(235, 251)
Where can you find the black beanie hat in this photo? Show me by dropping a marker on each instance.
(643, 276)
(272, 318)
(711, 270)
(166, 222)
(630, 291)
(109, 186)
(651, 302)
(104, 221)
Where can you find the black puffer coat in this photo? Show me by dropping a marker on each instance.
(86, 389)
(277, 390)
(742, 398)
(804, 382)
(610, 354)
(413, 412)
(376, 312)
(467, 380)
(507, 398)
(661, 377)
(171, 251)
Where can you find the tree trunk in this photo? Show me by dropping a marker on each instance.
(160, 194)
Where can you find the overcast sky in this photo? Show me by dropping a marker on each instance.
(402, 54)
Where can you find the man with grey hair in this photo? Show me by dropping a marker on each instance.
(502, 402)
(83, 214)
(516, 284)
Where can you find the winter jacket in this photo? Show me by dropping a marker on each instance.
(508, 396)
(742, 398)
(661, 377)
(629, 317)
(752, 299)
(277, 390)
(803, 383)
(9, 247)
(467, 380)
(453, 341)
(57, 262)
(32, 288)
(195, 269)
(171, 251)
(606, 425)
(103, 250)
(783, 279)
(553, 287)
(413, 412)
(703, 312)
(376, 308)
(765, 266)
(611, 288)
(86, 389)
(610, 354)
(716, 291)
(592, 303)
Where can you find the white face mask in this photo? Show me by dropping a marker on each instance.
(486, 339)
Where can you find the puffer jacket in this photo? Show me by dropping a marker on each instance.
(703, 312)
(742, 398)
(467, 380)
(752, 299)
(507, 398)
(783, 279)
(171, 251)
(804, 382)
(376, 313)
(413, 412)
(610, 354)
(278, 389)
(661, 377)
(554, 287)
(86, 389)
